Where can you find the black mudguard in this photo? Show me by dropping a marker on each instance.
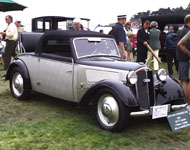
(123, 91)
(19, 63)
(169, 92)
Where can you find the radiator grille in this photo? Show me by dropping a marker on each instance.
(143, 87)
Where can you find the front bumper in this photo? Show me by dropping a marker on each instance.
(149, 112)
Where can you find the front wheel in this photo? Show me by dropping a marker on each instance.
(17, 84)
(110, 112)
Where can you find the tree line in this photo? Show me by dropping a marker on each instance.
(162, 11)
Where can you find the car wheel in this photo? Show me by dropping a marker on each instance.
(110, 112)
(17, 84)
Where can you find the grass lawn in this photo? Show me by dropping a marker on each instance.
(44, 122)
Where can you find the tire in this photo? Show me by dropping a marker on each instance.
(18, 84)
(110, 112)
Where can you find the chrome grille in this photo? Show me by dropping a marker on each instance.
(142, 88)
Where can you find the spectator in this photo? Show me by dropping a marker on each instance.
(101, 31)
(183, 58)
(2, 49)
(128, 28)
(170, 46)
(77, 24)
(130, 47)
(154, 41)
(142, 41)
(186, 49)
(120, 35)
(19, 27)
(11, 37)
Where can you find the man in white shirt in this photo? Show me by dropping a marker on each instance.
(11, 35)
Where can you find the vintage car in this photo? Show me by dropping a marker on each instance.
(47, 23)
(86, 68)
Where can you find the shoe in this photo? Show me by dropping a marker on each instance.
(3, 76)
(188, 107)
(2, 69)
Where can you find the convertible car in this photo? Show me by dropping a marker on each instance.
(86, 68)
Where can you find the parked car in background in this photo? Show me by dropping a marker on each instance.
(47, 23)
(85, 67)
(164, 23)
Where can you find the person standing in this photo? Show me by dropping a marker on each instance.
(120, 35)
(142, 41)
(183, 55)
(186, 49)
(18, 25)
(154, 41)
(77, 24)
(129, 47)
(128, 28)
(170, 46)
(11, 35)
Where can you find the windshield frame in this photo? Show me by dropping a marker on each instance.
(102, 38)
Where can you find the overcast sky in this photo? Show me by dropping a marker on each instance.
(99, 11)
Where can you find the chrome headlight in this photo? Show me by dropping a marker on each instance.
(161, 75)
(132, 77)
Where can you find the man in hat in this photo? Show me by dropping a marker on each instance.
(77, 24)
(120, 35)
(19, 27)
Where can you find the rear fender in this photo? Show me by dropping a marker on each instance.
(123, 91)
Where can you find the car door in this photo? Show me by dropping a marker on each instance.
(55, 70)
(56, 77)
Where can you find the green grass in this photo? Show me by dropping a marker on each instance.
(44, 122)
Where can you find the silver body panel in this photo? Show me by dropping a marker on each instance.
(51, 77)
(64, 80)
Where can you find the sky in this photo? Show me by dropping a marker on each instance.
(99, 11)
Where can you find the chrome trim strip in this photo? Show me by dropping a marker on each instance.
(140, 113)
(177, 107)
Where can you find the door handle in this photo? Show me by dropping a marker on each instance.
(68, 71)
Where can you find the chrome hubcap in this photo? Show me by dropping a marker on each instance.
(108, 110)
(17, 84)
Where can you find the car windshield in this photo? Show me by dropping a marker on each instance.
(93, 47)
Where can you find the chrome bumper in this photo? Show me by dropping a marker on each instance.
(149, 112)
(177, 107)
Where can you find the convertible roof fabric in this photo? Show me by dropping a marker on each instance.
(72, 33)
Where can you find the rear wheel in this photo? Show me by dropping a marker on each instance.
(110, 112)
(17, 84)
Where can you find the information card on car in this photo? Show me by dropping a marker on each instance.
(159, 111)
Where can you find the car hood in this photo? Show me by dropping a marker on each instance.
(114, 64)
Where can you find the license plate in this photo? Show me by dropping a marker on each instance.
(159, 111)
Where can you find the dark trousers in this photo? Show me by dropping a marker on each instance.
(9, 52)
(171, 55)
(141, 54)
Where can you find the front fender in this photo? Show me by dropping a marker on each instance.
(122, 90)
(20, 64)
(169, 92)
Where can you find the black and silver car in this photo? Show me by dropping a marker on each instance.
(86, 68)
